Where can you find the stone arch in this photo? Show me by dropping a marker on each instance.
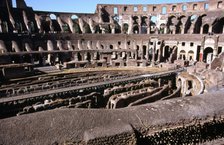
(53, 16)
(166, 52)
(144, 25)
(205, 29)
(87, 28)
(182, 55)
(18, 26)
(208, 55)
(79, 56)
(111, 46)
(55, 25)
(171, 20)
(218, 25)
(46, 24)
(76, 26)
(74, 17)
(190, 23)
(190, 55)
(136, 29)
(135, 20)
(195, 27)
(153, 22)
(198, 23)
(144, 51)
(88, 56)
(162, 28)
(125, 28)
(104, 14)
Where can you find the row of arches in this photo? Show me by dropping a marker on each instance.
(191, 55)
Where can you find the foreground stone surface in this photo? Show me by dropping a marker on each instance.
(75, 125)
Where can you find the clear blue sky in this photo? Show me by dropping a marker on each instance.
(87, 6)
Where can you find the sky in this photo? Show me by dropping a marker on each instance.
(87, 6)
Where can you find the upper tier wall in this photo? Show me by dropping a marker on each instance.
(202, 6)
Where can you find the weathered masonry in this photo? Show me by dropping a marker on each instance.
(125, 74)
(115, 35)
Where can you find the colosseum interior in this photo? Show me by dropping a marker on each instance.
(126, 74)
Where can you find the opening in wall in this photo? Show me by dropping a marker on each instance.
(219, 5)
(164, 10)
(219, 50)
(154, 8)
(195, 6)
(184, 8)
(206, 6)
(14, 3)
(144, 8)
(135, 8)
(174, 8)
(115, 10)
(125, 8)
(53, 16)
(198, 53)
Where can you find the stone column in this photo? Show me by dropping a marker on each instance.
(147, 51)
(210, 30)
(139, 24)
(79, 45)
(202, 49)
(153, 53)
(140, 50)
(201, 30)
(182, 30)
(215, 52)
(148, 28)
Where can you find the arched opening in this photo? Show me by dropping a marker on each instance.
(88, 56)
(125, 28)
(172, 21)
(184, 8)
(164, 9)
(76, 27)
(182, 55)
(194, 24)
(191, 55)
(135, 20)
(144, 25)
(46, 24)
(19, 27)
(144, 51)
(117, 27)
(55, 23)
(111, 47)
(74, 17)
(208, 55)
(162, 28)
(191, 20)
(105, 15)
(79, 56)
(218, 26)
(53, 17)
(206, 6)
(205, 29)
(87, 28)
(136, 29)
(166, 52)
(153, 21)
(65, 27)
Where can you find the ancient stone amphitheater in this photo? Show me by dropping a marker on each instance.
(126, 74)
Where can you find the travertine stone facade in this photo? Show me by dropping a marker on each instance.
(115, 35)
